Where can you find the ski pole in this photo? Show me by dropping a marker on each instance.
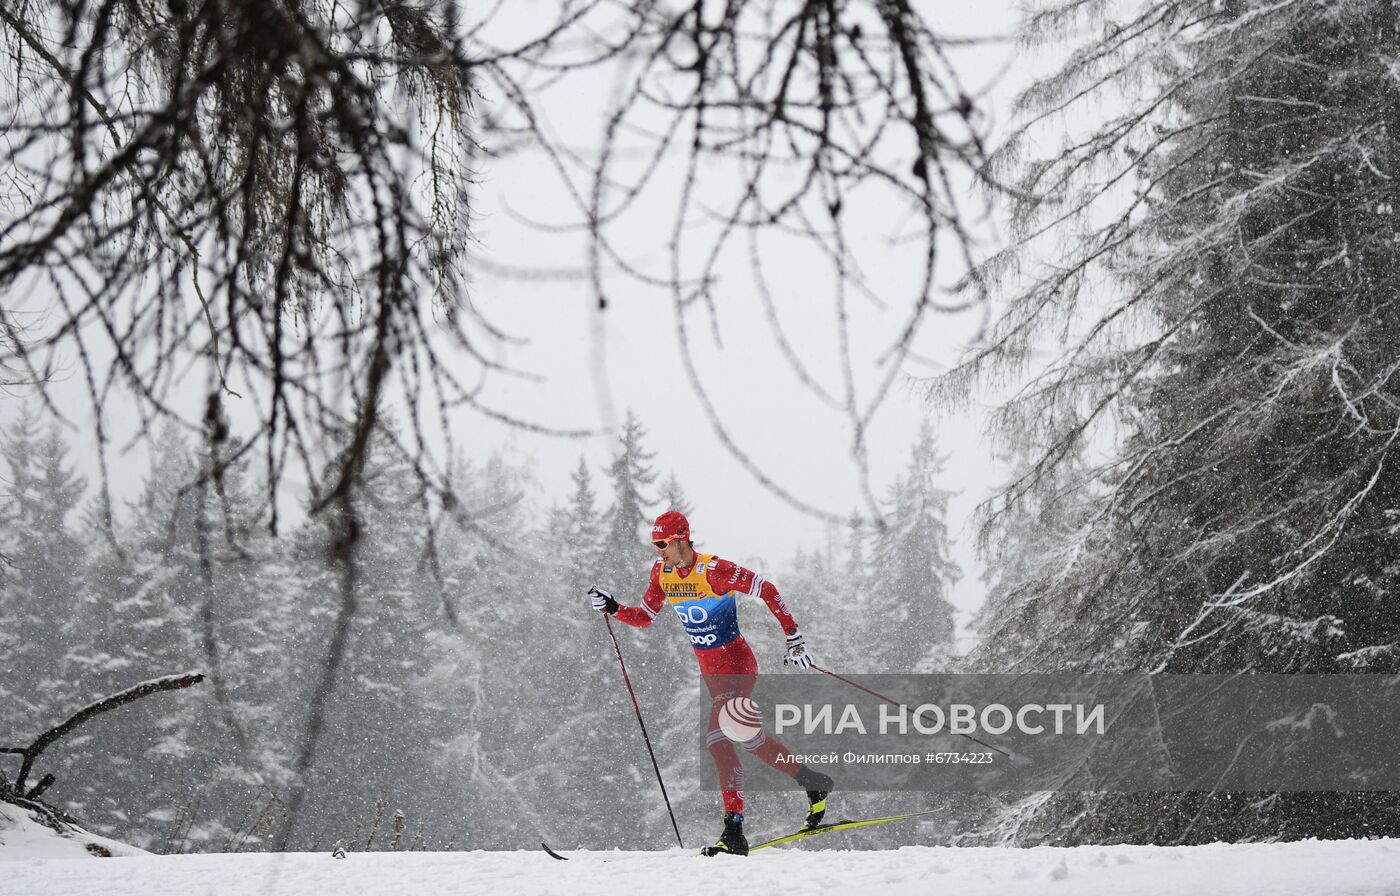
(901, 706)
(638, 710)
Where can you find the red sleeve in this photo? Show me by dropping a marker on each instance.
(642, 616)
(725, 576)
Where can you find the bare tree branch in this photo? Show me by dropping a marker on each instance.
(130, 695)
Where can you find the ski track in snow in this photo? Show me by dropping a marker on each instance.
(1308, 868)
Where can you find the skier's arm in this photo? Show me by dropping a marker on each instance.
(725, 577)
(642, 616)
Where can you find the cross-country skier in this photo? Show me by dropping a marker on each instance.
(702, 588)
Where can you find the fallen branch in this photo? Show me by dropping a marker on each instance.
(130, 695)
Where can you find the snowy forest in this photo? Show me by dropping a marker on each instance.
(1190, 354)
(476, 699)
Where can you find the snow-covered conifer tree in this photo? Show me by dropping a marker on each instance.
(624, 555)
(1225, 270)
(673, 496)
(40, 579)
(912, 623)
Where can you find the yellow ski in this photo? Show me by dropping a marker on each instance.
(843, 825)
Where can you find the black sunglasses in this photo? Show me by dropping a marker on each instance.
(660, 545)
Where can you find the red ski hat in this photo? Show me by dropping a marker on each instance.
(669, 526)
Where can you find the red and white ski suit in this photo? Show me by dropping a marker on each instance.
(704, 597)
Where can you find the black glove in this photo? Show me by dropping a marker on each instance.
(603, 601)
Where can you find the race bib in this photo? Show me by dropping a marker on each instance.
(710, 622)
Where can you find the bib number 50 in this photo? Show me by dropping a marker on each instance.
(694, 615)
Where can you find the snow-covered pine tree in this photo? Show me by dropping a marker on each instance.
(138, 618)
(814, 584)
(912, 623)
(624, 557)
(187, 583)
(405, 686)
(1240, 356)
(497, 675)
(40, 582)
(584, 718)
(579, 706)
(577, 528)
(673, 496)
(856, 600)
(857, 566)
(1033, 541)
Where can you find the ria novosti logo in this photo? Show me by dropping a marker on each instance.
(739, 719)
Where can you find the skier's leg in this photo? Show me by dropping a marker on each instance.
(726, 758)
(731, 776)
(769, 749)
(732, 672)
(731, 772)
(773, 752)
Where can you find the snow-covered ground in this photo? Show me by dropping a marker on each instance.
(22, 837)
(1312, 868)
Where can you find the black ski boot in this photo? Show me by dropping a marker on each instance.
(732, 841)
(818, 787)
